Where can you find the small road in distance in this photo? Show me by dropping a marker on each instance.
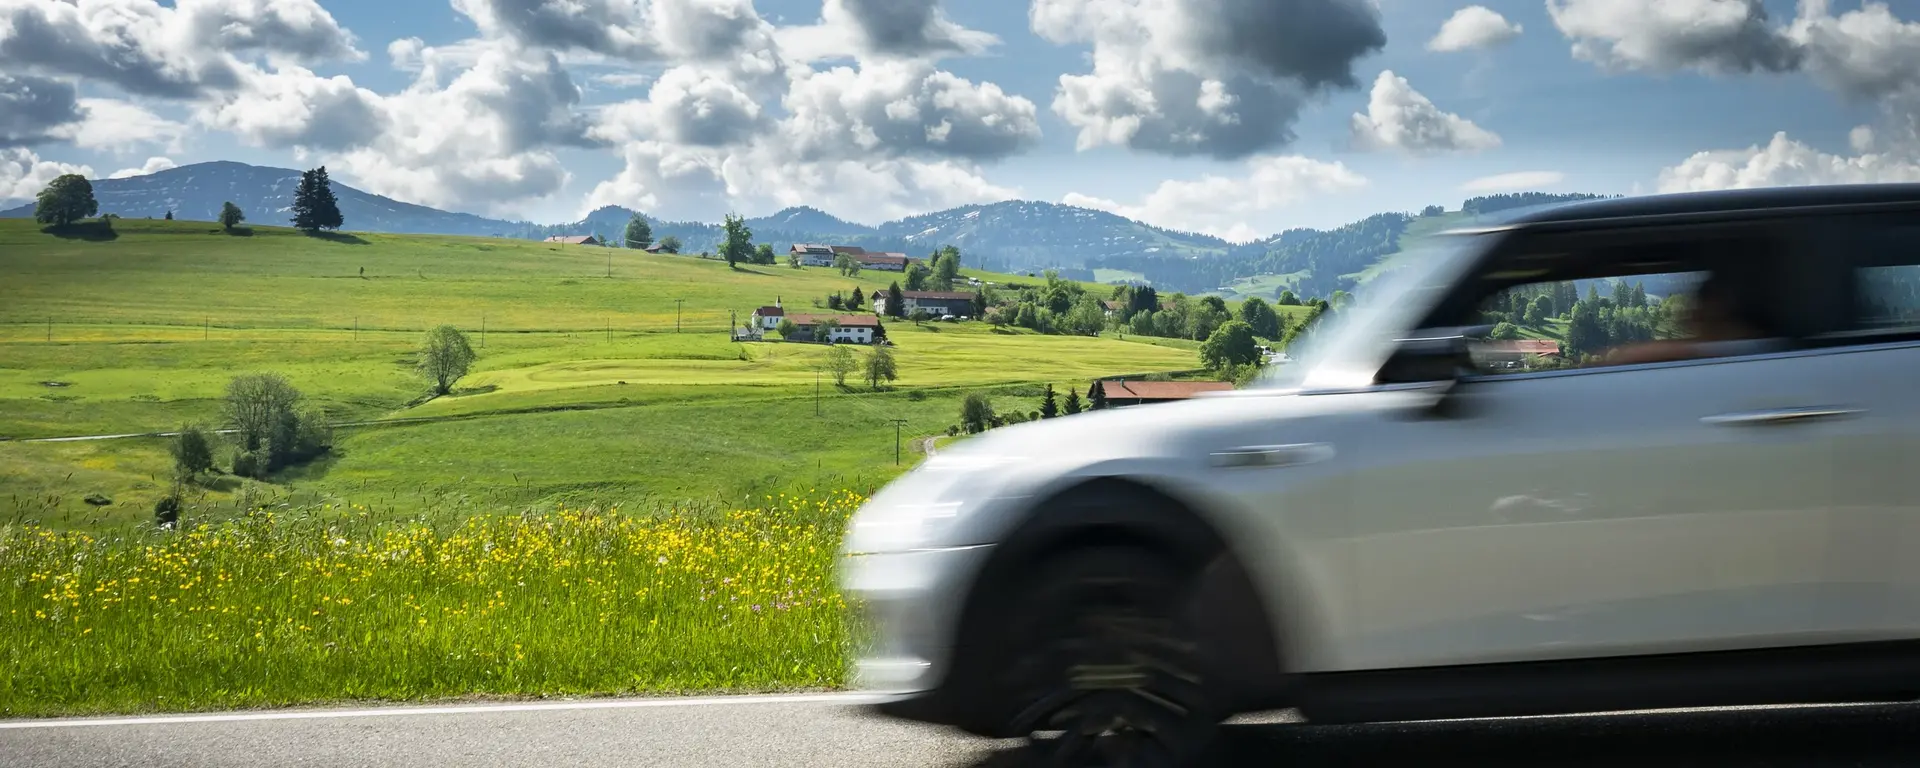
(827, 730)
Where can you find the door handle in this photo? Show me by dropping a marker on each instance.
(1779, 416)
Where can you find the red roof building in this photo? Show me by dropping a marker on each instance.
(1123, 392)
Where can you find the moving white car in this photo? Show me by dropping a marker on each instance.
(1411, 521)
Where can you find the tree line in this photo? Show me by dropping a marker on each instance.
(69, 198)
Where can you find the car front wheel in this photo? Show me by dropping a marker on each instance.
(1106, 665)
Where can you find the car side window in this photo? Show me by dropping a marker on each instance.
(1567, 323)
(1886, 283)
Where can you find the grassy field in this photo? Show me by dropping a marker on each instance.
(327, 604)
(558, 410)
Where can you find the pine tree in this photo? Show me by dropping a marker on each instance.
(326, 206)
(1049, 408)
(857, 299)
(1099, 397)
(303, 201)
(1073, 402)
(896, 301)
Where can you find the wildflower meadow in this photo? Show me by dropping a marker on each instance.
(291, 606)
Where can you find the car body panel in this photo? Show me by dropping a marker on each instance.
(1556, 517)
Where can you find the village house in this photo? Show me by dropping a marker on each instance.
(856, 329)
(1123, 393)
(813, 255)
(768, 318)
(936, 303)
(884, 262)
(1515, 353)
(574, 240)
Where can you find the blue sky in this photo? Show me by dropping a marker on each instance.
(1606, 96)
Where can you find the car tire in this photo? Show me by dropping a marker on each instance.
(1105, 665)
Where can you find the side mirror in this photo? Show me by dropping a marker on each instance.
(1432, 355)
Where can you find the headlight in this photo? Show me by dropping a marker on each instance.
(899, 527)
(918, 508)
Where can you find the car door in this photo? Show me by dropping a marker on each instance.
(1873, 364)
(1598, 511)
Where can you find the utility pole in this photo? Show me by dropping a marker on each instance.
(816, 393)
(676, 314)
(897, 424)
(733, 322)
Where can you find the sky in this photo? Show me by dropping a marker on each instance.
(1237, 118)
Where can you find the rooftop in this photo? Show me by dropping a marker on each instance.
(1160, 390)
(846, 321)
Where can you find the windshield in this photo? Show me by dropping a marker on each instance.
(1344, 348)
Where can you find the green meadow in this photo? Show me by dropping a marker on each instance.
(589, 389)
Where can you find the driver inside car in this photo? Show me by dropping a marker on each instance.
(1717, 323)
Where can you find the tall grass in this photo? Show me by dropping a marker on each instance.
(323, 604)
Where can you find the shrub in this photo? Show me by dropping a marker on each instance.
(192, 451)
(252, 464)
(166, 512)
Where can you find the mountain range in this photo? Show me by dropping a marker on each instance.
(1014, 236)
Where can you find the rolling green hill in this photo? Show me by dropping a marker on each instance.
(583, 390)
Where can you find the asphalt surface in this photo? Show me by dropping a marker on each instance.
(826, 730)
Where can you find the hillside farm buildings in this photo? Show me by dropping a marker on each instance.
(853, 329)
(813, 255)
(935, 303)
(574, 240)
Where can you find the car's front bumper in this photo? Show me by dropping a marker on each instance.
(907, 609)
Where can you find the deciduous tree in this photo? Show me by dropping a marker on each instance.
(445, 358)
(639, 233)
(881, 365)
(230, 215)
(738, 246)
(65, 200)
(840, 362)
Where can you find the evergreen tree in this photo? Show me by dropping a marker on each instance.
(1073, 402)
(1099, 398)
(1048, 408)
(896, 301)
(314, 206)
(857, 299)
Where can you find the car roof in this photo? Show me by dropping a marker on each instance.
(1721, 201)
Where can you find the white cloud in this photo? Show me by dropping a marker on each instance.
(1865, 53)
(1513, 182)
(153, 165)
(1783, 162)
(1234, 208)
(294, 107)
(681, 182)
(1473, 27)
(1400, 118)
(23, 174)
(897, 108)
(1860, 138)
(900, 28)
(183, 50)
(1713, 36)
(1220, 78)
(121, 126)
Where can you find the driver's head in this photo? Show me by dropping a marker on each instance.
(1719, 312)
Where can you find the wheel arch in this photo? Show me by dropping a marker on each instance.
(1137, 512)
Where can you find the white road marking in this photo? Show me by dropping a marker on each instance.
(472, 709)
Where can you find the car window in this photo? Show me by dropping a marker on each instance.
(1886, 282)
(1559, 324)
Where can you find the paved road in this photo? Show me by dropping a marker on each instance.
(756, 732)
